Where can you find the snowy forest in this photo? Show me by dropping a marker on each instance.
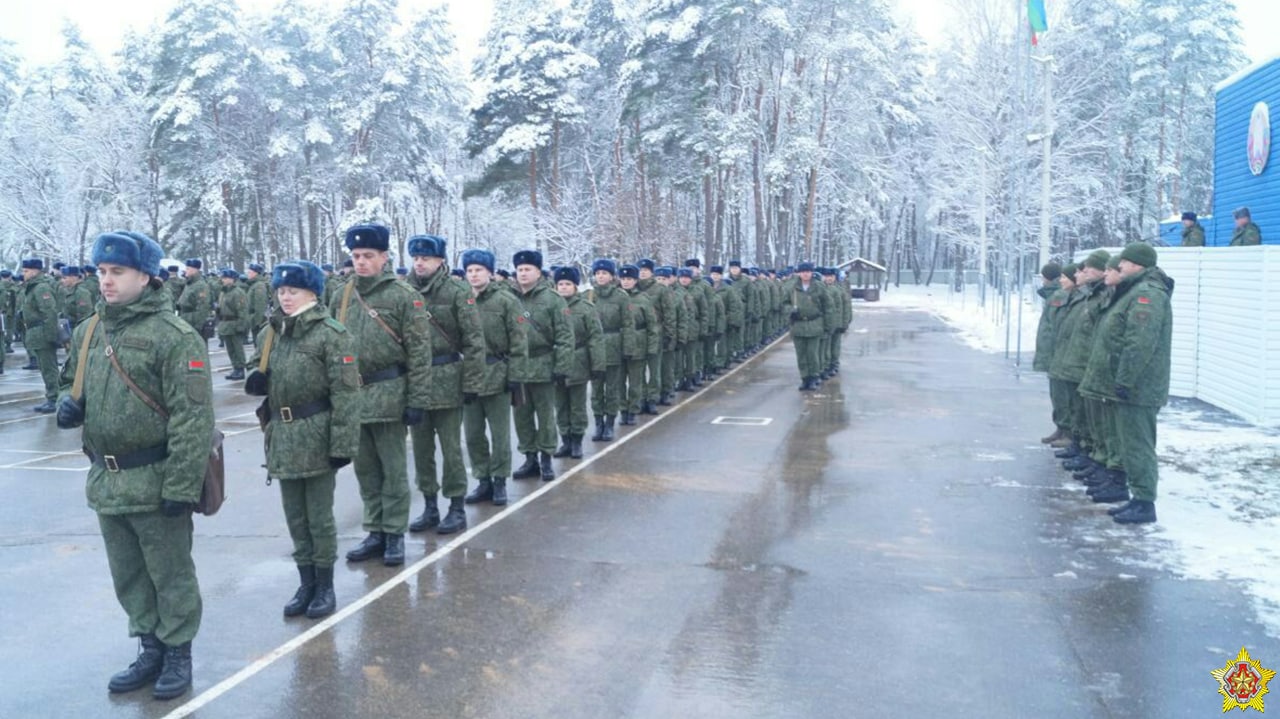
(766, 130)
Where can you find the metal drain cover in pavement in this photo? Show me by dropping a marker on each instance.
(743, 421)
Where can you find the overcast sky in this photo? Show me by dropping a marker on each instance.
(34, 24)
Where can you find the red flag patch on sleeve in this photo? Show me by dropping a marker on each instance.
(471, 300)
(1144, 300)
(417, 303)
(348, 360)
(195, 365)
(520, 320)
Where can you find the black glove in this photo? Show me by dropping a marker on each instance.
(795, 316)
(597, 376)
(70, 413)
(469, 397)
(513, 387)
(170, 508)
(414, 416)
(558, 379)
(339, 462)
(1121, 392)
(256, 383)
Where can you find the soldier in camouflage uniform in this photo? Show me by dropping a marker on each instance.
(1103, 476)
(806, 302)
(1192, 230)
(588, 363)
(196, 301)
(834, 323)
(260, 299)
(233, 321)
(386, 319)
(1247, 232)
(487, 418)
(1054, 297)
(1133, 367)
(550, 354)
(730, 345)
(457, 356)
(91, 281)
(841, 300)
(40, 319)
(8, 312)
(664, 306)
(147, 465)
(1072, 347)
(312, 383)
(611, 308)
(675, 326)
(695, 309)
(639, 343)
(79, 299)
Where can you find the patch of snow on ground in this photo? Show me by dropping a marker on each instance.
(992, 327)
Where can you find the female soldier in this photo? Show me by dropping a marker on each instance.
(306, 368)
(588, 362)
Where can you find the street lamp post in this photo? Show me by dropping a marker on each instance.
(1046, 138)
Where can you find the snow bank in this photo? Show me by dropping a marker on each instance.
(990, 328)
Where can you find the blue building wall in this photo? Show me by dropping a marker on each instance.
(1233, 184)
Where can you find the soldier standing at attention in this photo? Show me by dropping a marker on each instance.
(90, 271)
(673, 332)
(1105, 478)
(504, 340)
(260, 295)
(39, 307)
(8, 297)
(1192, 231)
(806, 302)
(842, 304)
(686, 291)
(639, 343)
(550, 338)
(457, 356)
(147, 455)
(1072, 348)
(233, 321)
(588, 362)
(664, 306)
(1247, 233)
(80, 302)
(611, 308)
(1054, 298)
(196, 301)
(312, 385)
(735, 316)
(1134, 363)
(389, 326)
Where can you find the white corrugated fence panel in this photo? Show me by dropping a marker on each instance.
(1182, 264)
(1233, 335)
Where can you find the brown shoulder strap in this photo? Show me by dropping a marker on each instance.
(346, 300)
(266, 348)
(133, 387)
(77, 385)
(378, 318)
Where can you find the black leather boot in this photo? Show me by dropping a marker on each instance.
(371, 547)
(430, 516)
(143, 670)
(575, 449)
(626, 418)
(236, 374)
(1068, 452)
(306, 591)
(46, 408)
(499, 491)
(456, 518)
(608, 428)
(393, 555)
(1140, 511)
(565, 447)
(529, 469)
(175, 677)
(324, 602)
(547, 471)
(599, 435)
(665, 399)
(482, 493)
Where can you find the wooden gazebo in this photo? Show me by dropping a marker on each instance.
(867, 285)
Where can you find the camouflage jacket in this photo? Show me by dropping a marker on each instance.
(1074, 339)
(1193, 236)
(196, 302)
(79, 304)
(313, 359)
(645, 336)
(811, 307)
(1055, 298)
(1247, 235)
(168, 361)
(688, 321)
(504, 336)
(387, 300)
(455, 330)
(665, 306)
(588, 348)
(735, 311)
(233, 311)
(39, 308)
(259, 292)
(611, 307)
(550, 336)
(1134, 342)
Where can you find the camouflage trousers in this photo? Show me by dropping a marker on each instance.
(536, 419)
(235, 349)
(46, 358)
(633, 372)
(606, 396)
(444, 426)
(731, 346)
(670, 359)
(383, 473)
(571, 409)
(807, 357)
(154, 576)
(308, 510)
(653, 378)
(487, 422)
(1136, 435)
(1061, 401)
(1105, 450)
(833, 348)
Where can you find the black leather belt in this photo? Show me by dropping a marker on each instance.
(540, 353)
(132, 460)
(641, 326)
(613, 332)
(301, 411)
(383, 375)
(495, 359)
(579, 345)
(445, 359)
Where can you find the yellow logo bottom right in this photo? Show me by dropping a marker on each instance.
(1242, 683)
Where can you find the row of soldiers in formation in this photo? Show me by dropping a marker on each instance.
(1246, 232)
(350, 365)
(1104, 338)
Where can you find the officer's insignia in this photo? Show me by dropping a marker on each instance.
(1242, 682)
(195, 365)
(1144, 300)
(348, 360)
(358, 237)
(109, 248)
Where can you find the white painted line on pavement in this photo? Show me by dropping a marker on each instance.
(231, 682)
(744, 421)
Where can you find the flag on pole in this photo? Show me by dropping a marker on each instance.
(1037, 18)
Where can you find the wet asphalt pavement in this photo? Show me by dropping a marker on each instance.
(897, 544)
